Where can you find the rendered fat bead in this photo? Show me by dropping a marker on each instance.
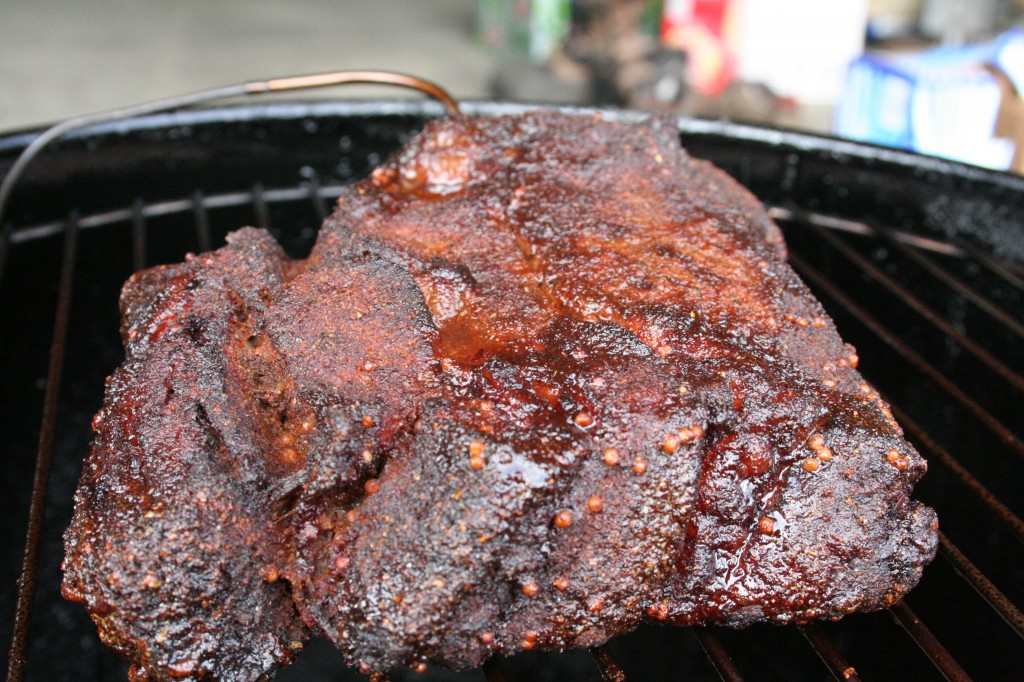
(288, 455)
(897, 460)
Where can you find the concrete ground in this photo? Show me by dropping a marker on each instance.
(60, 58)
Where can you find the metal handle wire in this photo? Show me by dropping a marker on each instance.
(288, 83)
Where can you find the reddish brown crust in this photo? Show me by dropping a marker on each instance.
(543, 377)
(171, 530)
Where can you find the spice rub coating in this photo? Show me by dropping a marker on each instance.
(542, 378)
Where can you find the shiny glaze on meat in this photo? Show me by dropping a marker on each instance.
(542, 378)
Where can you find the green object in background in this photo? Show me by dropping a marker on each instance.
(549, 22)
(535, 28)
(650, 23)
(525, 28)
(504, 24)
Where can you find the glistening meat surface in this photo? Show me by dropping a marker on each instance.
(542, 378)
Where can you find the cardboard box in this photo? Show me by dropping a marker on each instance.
(960, 103)
(1010, 120)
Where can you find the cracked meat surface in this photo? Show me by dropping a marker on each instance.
(543, 377)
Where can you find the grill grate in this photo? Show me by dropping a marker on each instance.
(937, 319)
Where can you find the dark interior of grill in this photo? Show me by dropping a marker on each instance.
(919, 261)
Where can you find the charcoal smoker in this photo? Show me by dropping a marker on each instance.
(920, 262)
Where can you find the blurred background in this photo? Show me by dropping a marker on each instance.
(937, 76)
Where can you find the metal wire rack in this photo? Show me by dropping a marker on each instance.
(934, 305)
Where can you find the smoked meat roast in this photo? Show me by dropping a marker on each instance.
(543, 377)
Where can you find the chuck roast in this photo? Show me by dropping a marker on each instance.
(543, 377)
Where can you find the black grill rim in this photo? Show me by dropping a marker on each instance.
(870, 171)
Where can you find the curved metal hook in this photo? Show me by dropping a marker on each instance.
(318, 80)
